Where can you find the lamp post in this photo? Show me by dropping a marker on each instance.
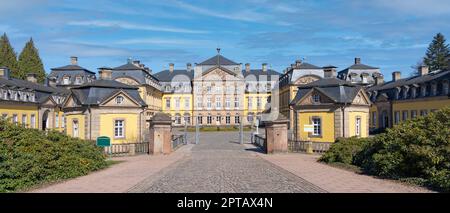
(241, 132)
(197, 129)
(185, 132)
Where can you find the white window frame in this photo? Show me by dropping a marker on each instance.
(186, 103)
(317, 124)
(119, 99)
(56, 120)
(218, 102)
(24, 120)
(358, 126)
(33, 121)
(119, 128)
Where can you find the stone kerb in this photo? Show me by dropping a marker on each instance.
(160, 134)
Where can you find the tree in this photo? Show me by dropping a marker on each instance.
(437, 53)
(30, 62)
(8, 57)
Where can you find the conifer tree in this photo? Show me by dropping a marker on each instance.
(30, 62)
(8, 57)
(437, 53)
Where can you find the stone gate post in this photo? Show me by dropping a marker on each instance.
(276, 136)
(160, 137)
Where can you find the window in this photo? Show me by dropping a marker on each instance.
(250, 104)
(56, 120)
(316, 98)
(374, 119)
(317, 126)
(15, 119)
(209, 119)
(33, 121)
(63, 121)
(177, 103)
(258, 102)
(423, 112)
(200, 119)
(75, 128)
(358, 126)
(218, 119)
(78, 80)
(237, 119)
(396, 117)
(66, 80)
(208, 89)
(119, 128)
(186, 103)
(187, 119)
(236, 102)
(404, 115)
(250, 118)
(228, 119)
(119, 99)
(208, 103)
(413, 114)
(218, 102)
(227, 103)
(24, 120)
(177, 119)
(167, 102)
(199, 102)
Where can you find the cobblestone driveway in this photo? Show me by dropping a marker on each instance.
(220, 164)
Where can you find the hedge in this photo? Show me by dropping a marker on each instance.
(417, 149)
(30, 156)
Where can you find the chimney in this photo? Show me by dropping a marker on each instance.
(293, 66)
(171, 67)
(298, 63)
(423, 70)
(379, 79)
(329, 71)
(74, 60)
(136, 62)
(46, 82)
(396, 75)
(129, 61)
(31, 77)
(4, 72)
(105, 73)
(188, 67)
(264, 67)
(247, 67)
(357, 60)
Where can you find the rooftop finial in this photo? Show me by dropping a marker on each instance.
(218, 50)
(218, 56)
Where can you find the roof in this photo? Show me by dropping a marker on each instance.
(218, 60)
(33, 86)
(337, 90)
(167, 76)
(72, 67)
(411, 80)
(98, 91)
(107, 84)
(259, 72)
(128, 66)
(358, 67)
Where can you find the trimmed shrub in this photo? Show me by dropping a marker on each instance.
(417, 150)
(30, 156)
(344, 150)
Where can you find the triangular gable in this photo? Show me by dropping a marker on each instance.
(128, 100)
(71, 101)
(361, 98)
(49, 102)
(219, 68)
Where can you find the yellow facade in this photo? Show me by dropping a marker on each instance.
(185, 105)
(253, 107)
(327, 127)
(417, 105)
(131, 127)
(58, 120)
(20, 111)
(363, 116)
(70, 130)
(373, 120)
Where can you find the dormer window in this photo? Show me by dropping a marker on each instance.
(119, 99)
(78, 80)
(66, 80)
(316, 98)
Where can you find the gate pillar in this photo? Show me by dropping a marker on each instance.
(160, 137)
(276, 136)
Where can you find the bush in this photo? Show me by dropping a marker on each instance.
(344, 150)
(30, 156)
(417, 149)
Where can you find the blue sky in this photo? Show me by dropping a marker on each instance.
(390, 34)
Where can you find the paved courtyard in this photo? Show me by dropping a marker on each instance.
(220, 164)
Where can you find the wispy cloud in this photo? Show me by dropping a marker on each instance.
(133, 26)
(416, 7)
(165, 41)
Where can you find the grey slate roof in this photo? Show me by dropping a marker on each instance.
(42, 92)
(337, 90)
(411, 80)
(358, 67)
(73, 67)
(128, 66)
(259, 72)
(132, 71)
(167, 76)
(98, 91)
(218, 58)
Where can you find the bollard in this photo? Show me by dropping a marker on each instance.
(309, 147)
